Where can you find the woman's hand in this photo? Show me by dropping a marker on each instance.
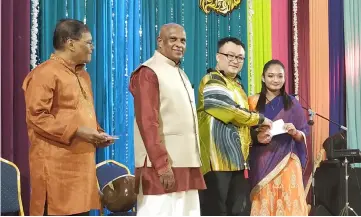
(296, 134)
(291, 129)
(264, 136)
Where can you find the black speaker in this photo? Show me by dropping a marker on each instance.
(330, 188)
(319, 210)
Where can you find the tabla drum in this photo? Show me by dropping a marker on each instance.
(119, 194)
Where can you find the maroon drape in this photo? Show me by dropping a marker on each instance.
(304, 69)
(15, 64)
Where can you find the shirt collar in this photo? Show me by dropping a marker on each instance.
(165, 59)
(75, 68)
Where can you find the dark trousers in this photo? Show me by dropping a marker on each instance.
(227, 193)
(77, 214)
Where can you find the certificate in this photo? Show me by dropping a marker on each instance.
(278, 127)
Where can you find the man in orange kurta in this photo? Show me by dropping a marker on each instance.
(62, 127)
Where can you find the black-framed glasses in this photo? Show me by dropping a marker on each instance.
(231, 57)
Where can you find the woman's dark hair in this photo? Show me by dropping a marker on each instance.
(287, 100)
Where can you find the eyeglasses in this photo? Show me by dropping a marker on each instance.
(89, 43)
(231, 57)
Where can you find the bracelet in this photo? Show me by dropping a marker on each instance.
(297, 132)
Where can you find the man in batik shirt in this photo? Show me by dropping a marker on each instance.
(224, 126)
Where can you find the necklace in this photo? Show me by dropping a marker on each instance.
(279, 100)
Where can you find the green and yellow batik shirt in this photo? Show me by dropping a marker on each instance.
(224, 123)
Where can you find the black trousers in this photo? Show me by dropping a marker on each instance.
(77, 214)
(227, 193)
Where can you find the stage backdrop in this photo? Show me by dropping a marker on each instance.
(203, 31)
(117, 36)
(116, 32)
(15, 44)
(352, 30)
(125, 34)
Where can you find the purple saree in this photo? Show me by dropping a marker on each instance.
(267, 161)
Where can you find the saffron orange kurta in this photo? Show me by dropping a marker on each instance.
(62, 168)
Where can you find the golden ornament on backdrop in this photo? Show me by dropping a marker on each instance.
(222, 7)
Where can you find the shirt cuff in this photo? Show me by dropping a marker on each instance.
(162, 165)
(261, 118)
(163, 170)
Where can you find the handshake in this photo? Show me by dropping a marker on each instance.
(99, 139)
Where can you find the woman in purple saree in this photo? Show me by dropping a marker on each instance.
(277, 162)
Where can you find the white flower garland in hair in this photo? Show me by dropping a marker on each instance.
(34, 33)
(250, 46)
(295, 44)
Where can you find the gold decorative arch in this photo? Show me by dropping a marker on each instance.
(222, 7)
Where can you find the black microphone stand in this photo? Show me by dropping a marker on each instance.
(345, 163)
(310, 122)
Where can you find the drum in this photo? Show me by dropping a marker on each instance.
(119, 195)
